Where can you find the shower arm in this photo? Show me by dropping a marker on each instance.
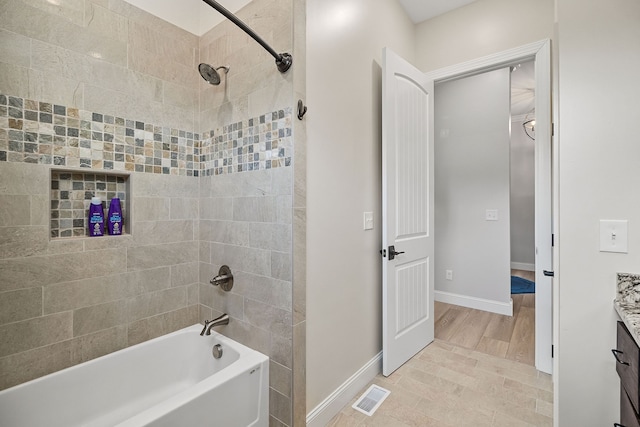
(283, 60)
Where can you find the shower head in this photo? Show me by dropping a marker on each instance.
(210, 74)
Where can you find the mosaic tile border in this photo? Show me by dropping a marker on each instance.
(44, 133)
(263, 142)
(50, 134)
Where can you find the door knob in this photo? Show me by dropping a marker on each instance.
(393, 252)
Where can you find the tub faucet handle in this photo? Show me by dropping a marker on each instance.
(224, 278)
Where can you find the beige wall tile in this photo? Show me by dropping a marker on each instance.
(268, 318)
(14, 79)
(151, 185)
(26, 241)
(281, 265)
(239, 258)
(193, 294)
(264, 289)
(152, 327)
(299, 373)
(220, 208)
(27, 365)
(19, 273)
(55, 89)
(276, 237)
(151, 208)
(23, 179)
(72, 11)
(144, 257)
(157, 232)
(39, 214)
(229, 232)
(155, 303)
(255, 209)
(299, 265)
(184, 274)
(108, 242)
(283, 210)
(74, 266)
(15, 48)
(102, 342)
(280, 378)
(245, 334)
(98, 317)
(280, 406)
(184, 208)
(100, 20)
(224, 302)
(20, 305)
(32, 333)
(280, 350)
(83, 293)
(15, 210)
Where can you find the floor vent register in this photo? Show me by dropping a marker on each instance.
(371, 400)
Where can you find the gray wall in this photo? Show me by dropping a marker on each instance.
(522, 197)
(344, 180)
(471, 176)
(597, 178)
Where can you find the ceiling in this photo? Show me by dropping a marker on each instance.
(421, 10)
(197, 17)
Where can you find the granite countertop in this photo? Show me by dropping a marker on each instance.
(627, 303)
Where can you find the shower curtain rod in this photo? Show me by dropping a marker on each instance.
(283, 60)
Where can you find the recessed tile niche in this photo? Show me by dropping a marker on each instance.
(71, 193)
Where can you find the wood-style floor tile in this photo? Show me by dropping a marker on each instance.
(478, 372)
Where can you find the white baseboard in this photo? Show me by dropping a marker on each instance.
(476, 303)
(523, 266)
(333, 404)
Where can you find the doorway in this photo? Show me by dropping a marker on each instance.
(540, 52)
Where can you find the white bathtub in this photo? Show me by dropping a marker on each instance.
(169, 381)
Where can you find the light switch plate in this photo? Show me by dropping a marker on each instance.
(368, 220)
(613, 236)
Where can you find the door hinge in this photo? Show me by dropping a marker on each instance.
(553, 129)
(552, 351)
(553, 236)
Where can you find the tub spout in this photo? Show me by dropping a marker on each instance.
(218, 321)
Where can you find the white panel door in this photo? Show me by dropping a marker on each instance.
(407, 210)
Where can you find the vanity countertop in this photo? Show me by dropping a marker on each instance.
(627, 303)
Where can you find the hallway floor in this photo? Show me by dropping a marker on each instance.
(478, 372)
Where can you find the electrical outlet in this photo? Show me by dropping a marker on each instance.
(449, 274)
(491, 215)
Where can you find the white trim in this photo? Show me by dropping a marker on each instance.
(546, 310)
(475, 303)
(333, 404)
(486, 63)
(523, 266)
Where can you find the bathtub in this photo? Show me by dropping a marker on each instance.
(173, 380)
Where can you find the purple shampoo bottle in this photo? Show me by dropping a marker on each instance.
(114, 222)
(96, 217)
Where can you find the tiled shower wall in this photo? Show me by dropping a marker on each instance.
(64, 301)
(246, 218)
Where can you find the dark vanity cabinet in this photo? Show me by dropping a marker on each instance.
(627, 356)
